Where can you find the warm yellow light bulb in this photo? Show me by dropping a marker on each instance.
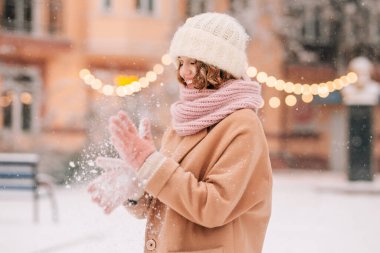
(289, 87)
(306, 89)
(251, 72)
(279, 85)
(151, 76)
(274, 102)
(314, 88)
(271, 81)
(96, 84)
(298, 89)
(290, 100)
(144, 82)
(262, 77)
(158, 69)
(345, 80)
(88, 79)
(330, 86)
(108, 90)
(136, 86)
(324, 93)
(307, 98)
(338, 84)
(323, 89)
(128, 90)
(352, 77)
(166, 59)
(120, 91)
(83, 73)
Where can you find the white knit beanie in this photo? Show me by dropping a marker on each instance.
(213, 38)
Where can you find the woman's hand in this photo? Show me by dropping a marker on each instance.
(117, 184)
(132, 148)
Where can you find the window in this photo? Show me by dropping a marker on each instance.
(145, 6)
(106, 5)
(237, 6)
(17, 15)
(6, 104)
(55, 16)
(194, 7)
(18, 99)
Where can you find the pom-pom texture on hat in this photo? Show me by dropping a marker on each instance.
(215, 39)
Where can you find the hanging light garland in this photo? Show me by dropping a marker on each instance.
(307, 91)
(124, 85)
(128, 85)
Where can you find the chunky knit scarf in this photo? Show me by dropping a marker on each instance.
(199, 109)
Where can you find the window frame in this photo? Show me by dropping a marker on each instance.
(17, 87)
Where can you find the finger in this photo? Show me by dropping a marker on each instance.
(145, 130)
(127, 122)
(113, 205)
(117, 125)
(109, 208)
(93, 186)
(118, 133)
(95, 198)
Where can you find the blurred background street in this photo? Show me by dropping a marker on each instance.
(66, 66)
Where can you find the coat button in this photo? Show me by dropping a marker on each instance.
(150, 244)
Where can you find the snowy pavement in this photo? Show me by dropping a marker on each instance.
(313, 212)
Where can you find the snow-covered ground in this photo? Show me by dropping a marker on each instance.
(313, 212)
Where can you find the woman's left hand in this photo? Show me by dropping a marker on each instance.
(115, 185)
(131, 147)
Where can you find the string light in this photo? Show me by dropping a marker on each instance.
(307, 98)
(262, 77)
(271, 81)
(298, 89)
(290, 100)
(274, 102)
(166, 59)
(251, 72)
(133, 84)
(158, 69)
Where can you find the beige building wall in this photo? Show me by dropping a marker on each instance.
(122, 40)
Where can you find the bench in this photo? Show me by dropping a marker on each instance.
(19, 171)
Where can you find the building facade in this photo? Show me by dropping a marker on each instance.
(47, 108)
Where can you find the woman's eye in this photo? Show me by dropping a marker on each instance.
(192, 63)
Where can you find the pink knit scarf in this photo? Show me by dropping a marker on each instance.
(199, 109)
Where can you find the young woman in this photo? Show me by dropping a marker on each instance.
(208, 189)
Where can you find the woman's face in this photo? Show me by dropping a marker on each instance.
(187, 70)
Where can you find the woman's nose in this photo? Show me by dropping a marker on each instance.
(186, 70)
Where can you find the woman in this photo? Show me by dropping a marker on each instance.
(208, 189)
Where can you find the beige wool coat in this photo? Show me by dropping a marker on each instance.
(213, 192)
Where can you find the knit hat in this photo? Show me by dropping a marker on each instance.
(213, 38)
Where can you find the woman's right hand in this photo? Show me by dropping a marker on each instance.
(132, 147)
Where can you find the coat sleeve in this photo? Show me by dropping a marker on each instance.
(141, 207)
(223, 193)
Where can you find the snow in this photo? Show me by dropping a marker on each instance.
(312, 212)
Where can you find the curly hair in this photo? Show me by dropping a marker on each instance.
(207, 76)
